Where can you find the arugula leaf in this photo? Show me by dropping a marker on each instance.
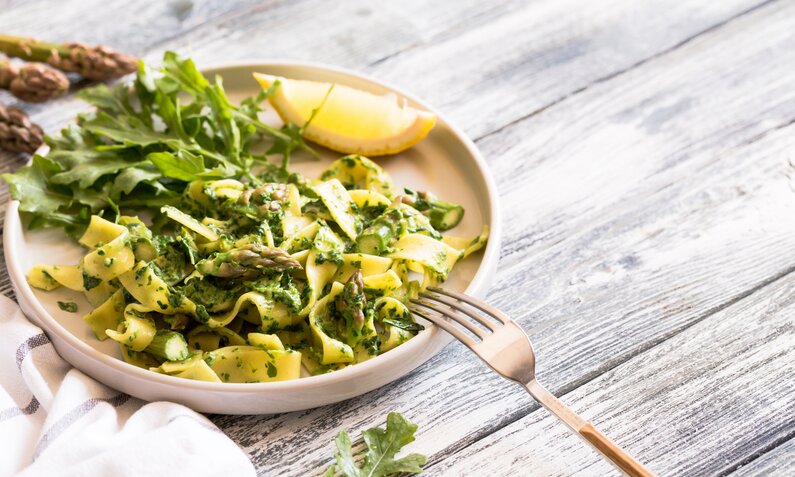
(29, 186)
(97, 200)
(183, 166)
(169, 110)
(129, 179)
(184, 73)
(129, 131)
(113, 100)
(87, 172)
(382, 446)
(226, 125)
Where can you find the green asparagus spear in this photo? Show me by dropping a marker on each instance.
(350, 306)
(169, 345)
(246, 262)
(443, 215)
(376, 238)
(92, 62)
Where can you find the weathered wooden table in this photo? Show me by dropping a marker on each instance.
(642, 153)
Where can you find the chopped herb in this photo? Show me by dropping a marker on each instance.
(89, 281)
(69, 306)
(272, 371)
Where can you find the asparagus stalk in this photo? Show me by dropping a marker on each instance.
(442, 215)
(168, 345)
(445, 215)
(376, 238)
(17, 133)
(246, 262)
(92, 62)
(34, 82)
(350, 305)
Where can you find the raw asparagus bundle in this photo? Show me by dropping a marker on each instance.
(17, 133)
(33, 82)
(92, 62)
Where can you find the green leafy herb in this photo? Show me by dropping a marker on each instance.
(382, 446)
(69, 306)
(404, 324)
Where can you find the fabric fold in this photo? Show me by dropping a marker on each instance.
(55, 420)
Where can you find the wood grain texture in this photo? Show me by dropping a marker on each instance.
(638, 153)
(628, 251)
(134, 26)
(780, 462)
(683, 405)
(352, 34)
(522, 63)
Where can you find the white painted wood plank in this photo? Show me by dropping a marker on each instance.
(521, 63)
(779, 462)
(352, 33)
(691, 406)
(665, 235)
(132, 26)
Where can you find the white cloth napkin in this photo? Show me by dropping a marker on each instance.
(55, 420)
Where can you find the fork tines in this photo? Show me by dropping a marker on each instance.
(436, 304)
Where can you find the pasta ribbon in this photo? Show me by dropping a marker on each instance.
(192, 368)
(50, 277)
(360, 172)
(206, 338)
(332, 350)
(247, 364)
(136, 330)
(151, 291)
(266, 312)
(383, 282)
(338, 203)
(392, 310)
(112, 255)
(469, 246)
(321, 264)
(108, 315)
(424, 253)
(368, 198)
(368, 264)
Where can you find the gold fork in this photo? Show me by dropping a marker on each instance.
(506, 348)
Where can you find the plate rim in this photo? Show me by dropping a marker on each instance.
(476, 286)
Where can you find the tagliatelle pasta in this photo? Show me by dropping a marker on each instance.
(264, 281)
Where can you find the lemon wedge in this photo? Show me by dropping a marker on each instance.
(350, 120)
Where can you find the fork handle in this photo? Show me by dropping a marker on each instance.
(609, 449)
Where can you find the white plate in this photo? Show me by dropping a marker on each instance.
(446, 162)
